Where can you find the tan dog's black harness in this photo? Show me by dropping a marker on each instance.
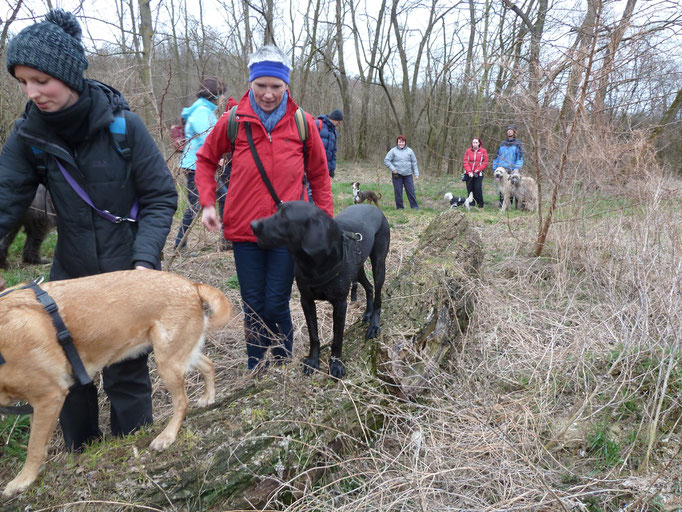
(63, 336)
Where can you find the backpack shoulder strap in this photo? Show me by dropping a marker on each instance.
(318, 122)
(232, 126)
(301, 125)
(119, 134)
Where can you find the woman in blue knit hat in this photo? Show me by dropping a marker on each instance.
(65, 140)
(266, 114)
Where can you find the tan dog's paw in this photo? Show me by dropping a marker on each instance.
(162, 442)
(204, 401)
(16, 486)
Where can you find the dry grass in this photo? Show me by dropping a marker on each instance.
(563, 395)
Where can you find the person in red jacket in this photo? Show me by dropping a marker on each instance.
(475, 162)
(265, 276)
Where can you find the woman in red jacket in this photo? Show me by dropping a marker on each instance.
(475, 162)
(265, 276)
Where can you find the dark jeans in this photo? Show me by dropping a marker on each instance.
(193, 200)
(475, 185)
(398, 182)
(129, 389)
(265, 279)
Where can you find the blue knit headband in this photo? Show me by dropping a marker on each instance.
(269, 68)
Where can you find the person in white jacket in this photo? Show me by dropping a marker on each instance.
(402, 163)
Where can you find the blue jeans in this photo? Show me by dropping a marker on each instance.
(265, 279)
(194, 206)
(398, 182)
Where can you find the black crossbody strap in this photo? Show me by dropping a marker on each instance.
(63, 334)
(259, 164)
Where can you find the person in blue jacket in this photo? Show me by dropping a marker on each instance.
(327, 126)
(509, 154)
(199, 120)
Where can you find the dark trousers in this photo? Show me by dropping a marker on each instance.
(475, 185)
(193, 200)
(129, 389)
(265, 279)
(400, 181)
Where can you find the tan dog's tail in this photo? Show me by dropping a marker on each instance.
(379, 196)
(220, 305)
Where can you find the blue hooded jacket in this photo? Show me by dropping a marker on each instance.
(328, 136)
(199, 120)
(509, 155)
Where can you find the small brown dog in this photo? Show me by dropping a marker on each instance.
(111, 317)
(360, 196)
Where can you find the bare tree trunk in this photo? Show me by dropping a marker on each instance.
(470, 45)
(147, 35)
(486, 70)
(269, 34)
(367, 82)
(669, 116)
(607, 66)
(248, 36)
(311, 48)
(343, 78)
(583, 39)
(580, 107)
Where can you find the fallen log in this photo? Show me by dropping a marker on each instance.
(269, 442)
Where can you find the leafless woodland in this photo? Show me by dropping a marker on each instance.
(564, 393)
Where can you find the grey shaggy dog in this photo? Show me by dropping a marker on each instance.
(525, 190)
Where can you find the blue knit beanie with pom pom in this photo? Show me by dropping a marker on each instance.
(52, 46)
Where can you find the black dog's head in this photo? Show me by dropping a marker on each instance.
(298, 225)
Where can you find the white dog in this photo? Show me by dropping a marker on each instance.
(459, 201)
(502, 179)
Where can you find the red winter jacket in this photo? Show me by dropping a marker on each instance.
(282, 156)
(475, 162)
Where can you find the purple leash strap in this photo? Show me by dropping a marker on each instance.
(132, 216)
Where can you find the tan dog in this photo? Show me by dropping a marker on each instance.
(111, 317)
(525, 190)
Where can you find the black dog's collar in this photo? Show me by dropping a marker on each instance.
(348, 238)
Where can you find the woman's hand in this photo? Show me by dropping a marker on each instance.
(209, 219)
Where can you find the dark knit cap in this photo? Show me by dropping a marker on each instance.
(336, 115)
(211, 88)
(52, 46)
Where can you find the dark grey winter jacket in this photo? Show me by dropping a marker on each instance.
(87, 243)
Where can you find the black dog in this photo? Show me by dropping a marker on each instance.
(329, 255)
(38, 221)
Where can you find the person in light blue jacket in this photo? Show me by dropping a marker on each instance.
(509, 154)
(199, 120)
(402, 163)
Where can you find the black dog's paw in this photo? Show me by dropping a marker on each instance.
(310, 365)
(372, 332)
(336, 368)
(366, 317)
